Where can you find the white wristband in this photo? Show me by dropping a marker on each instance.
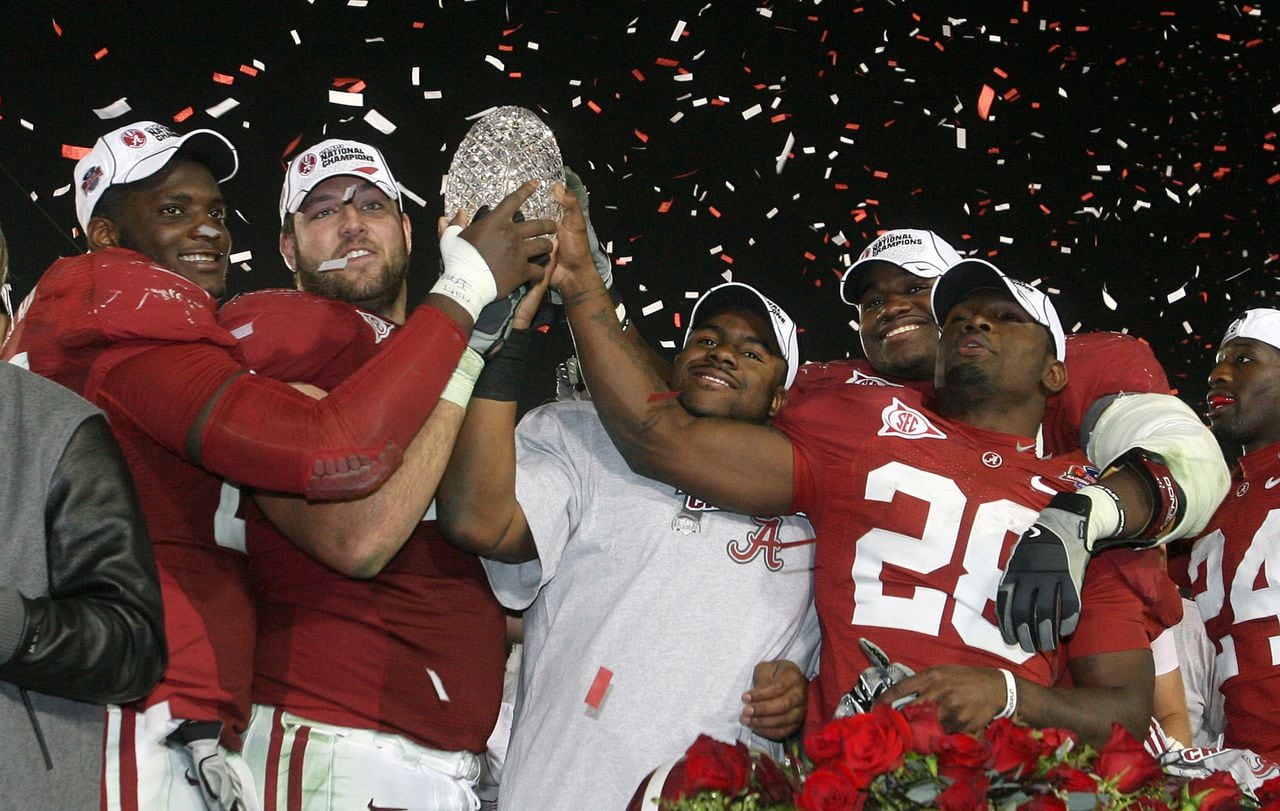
(463, 380)
(1010, 696)
(466, 277)
(1106, 514)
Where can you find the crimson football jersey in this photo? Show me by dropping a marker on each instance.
(1098, 364)
(916, 516)
(87, 314)
(1235, 577)
(417, 650)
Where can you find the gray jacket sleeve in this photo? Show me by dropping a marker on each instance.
(99, 634)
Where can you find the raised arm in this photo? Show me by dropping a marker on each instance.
(477, 507)
(736, 465)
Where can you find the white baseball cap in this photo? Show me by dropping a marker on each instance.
(331, 158)
(139, 150)
(922, 253)
(1262, 324)
(736, 294)
(976, 274)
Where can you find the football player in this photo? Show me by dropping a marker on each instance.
(131, 326)
(1169, 469)
(914, 511)
(1232, 565)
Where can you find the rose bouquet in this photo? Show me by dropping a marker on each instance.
(903, 759)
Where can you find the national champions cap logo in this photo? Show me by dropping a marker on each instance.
(344, 152)
(134, 138)
(90, 180)
(306, 164)
(888, 242)
(902, 420)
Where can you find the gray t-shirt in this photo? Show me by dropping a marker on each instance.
(676, 600)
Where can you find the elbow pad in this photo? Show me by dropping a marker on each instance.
(270, 436)
(1160, 438)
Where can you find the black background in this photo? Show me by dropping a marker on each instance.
(1129, 144)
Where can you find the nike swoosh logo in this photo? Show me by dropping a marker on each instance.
(1037, 483)
(1272, 482)
(1033, 531)
(1024, 448)
(373, 807)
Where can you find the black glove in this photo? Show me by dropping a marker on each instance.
(873, 681)
(1038, 601)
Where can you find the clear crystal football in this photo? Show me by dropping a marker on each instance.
(502, 150)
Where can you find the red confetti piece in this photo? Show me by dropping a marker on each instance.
(636, 73)
(779, 117)
(984, 101)
(880, 173)
(595, 108)
(507, 48)
(1273, 180)
(644, 139)
(726, 258)
(74, 153)
(715, 212)
(183, 114)
(288, 150)
(1224, 37)
(222, 78)
(659, 396)
(57, 29)
(515, 74)
(419, 24)
(1000, 73)
(598, 687)
(248, 70)
(676, 319)
(665, 206)
(666, 63)
(100, 54)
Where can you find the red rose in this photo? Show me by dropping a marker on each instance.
(1069, 778)
(1043, 802)
(1124, 761)
(961, 757)
(830, 789)
(771, 781)
(1217, 792)
(875, 742)
(825, 744)
(1014, 750)
(1052, 739)
(922, 718)
(968, 795)
(712, 765)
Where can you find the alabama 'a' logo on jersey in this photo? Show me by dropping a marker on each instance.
(902, 420)
(381, 329)
(762, 541)
(859, 378)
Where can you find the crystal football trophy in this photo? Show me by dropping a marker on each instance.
(502, 150)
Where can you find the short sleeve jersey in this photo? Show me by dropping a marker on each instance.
(418, 650)
(1098, 364)
(915, 517)
(1235, 578)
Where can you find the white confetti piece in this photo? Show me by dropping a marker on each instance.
(683, 77)
(1186, 327)
(407, 192)
(432, 94)
(495, 61)
(1107, 300)
(751, 112)
(415, 75)
(961, 138)
(332, 264)
(379, 122)
(438, 684)
(115, 109)
(297, 40)
(1172, 196)
(222, 107)
(240, 256)
(242, 331)
(782, 156)
(61, 190)
(667, 344)
(679, 30)
(650, 309)
(1177, 295)
(346, 99)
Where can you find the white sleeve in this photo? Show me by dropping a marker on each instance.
(1164, 650)
(1163, 424)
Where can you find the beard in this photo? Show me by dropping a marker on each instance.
(374, 291)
